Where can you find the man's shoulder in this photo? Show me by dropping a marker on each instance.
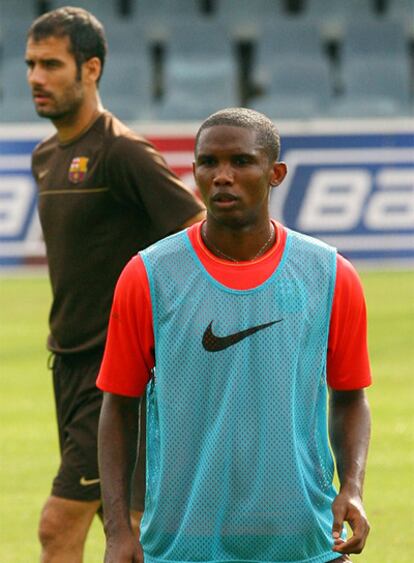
(126, 146)
(310, 242)
(115, 131)
(45, 146)
(307, 253)
(166, 247)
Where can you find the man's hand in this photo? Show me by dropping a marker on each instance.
(125, 549)
(348, 508)
(117, 448)
(349, 429)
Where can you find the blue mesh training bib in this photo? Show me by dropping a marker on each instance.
(238, 463)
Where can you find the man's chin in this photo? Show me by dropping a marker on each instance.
(48, 114)
(43, 112)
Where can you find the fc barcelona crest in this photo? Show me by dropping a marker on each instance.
(78, 169)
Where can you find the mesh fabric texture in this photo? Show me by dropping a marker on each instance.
(239, 466)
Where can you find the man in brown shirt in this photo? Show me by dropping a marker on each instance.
(104, 194)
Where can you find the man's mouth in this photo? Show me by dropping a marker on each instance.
(41, 97)
(223, 198)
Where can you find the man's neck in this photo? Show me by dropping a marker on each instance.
(241, 244)
(70, 127)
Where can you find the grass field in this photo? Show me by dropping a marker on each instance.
(29, 441)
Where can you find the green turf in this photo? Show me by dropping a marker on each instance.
(29, 441)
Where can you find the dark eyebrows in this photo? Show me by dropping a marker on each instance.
(249, 154)
(246, 155)
(46, 61)
(203, 157)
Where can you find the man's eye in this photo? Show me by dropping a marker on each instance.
(241, 160)
(206, 161)
(51, 64)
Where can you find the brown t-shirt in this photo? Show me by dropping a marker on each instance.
(102, 197)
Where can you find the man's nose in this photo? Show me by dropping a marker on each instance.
(224, 175)
(35, 76)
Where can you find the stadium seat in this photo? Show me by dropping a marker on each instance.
(14, 74)
(338, 9)
(374, 37)
(103, 10)
(286, 39)
(127, 107)
(334, 15)
(195, 88)
(298, 88)
(13, 33)
(375, 87)
(246, 19)
(294, 106)
(402, 10)
(157, 17)
(126, 85)
(126, 36)
(195, 38)
(16, 104)
(18, 110)
(166, 9)
(12, 11)
(196, 43)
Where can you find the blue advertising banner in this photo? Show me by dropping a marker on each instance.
(353, 191)
(20, 233)
(351, 186)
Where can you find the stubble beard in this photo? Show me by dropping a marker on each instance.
(65, 108)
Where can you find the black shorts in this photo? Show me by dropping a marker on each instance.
(78, 404)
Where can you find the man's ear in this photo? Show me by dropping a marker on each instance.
(92, 69)
(278, 174)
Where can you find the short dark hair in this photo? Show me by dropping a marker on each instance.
(267, 133)
(86, 34)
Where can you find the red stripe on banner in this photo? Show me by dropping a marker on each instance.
(175, 144)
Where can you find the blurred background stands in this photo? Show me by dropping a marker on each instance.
(183, 59)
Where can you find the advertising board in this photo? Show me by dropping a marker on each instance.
(352, 186)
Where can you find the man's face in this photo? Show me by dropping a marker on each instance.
(234, 175)
(52, 75)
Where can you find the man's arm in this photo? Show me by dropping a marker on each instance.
(349, 428)
(117, 445)
(139, 175)
(194, 219)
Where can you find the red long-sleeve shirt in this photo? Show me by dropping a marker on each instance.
(129, 353)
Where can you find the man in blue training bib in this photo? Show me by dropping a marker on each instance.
(239, 331)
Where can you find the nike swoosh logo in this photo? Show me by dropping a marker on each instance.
(42, 174)
(86, 482)
(214, 343)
